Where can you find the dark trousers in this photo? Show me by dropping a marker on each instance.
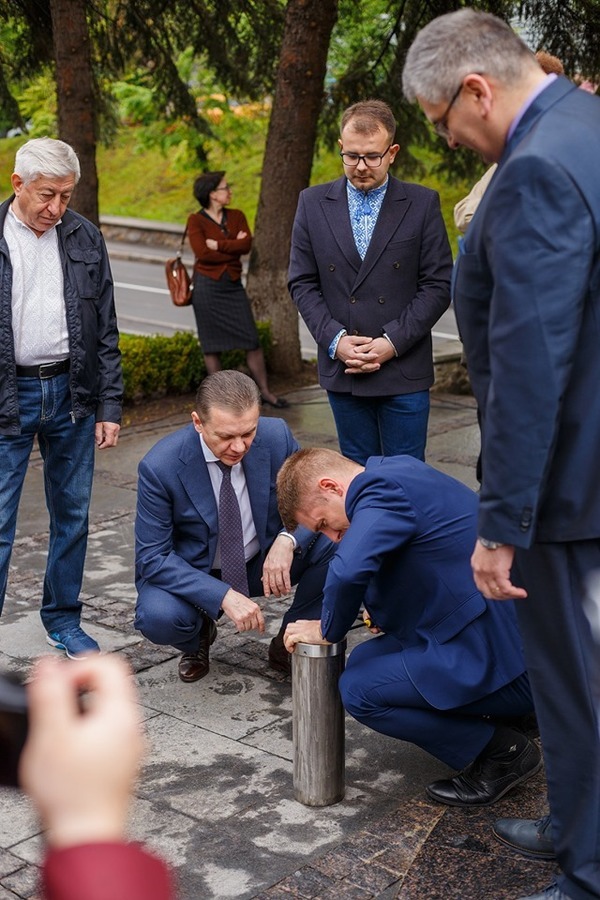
(165, 618)
(563, 661)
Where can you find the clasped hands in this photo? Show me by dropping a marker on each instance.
(362, 354)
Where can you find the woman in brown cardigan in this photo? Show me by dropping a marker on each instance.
(219, 237)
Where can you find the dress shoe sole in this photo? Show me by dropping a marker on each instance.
(495, 798)
(529, 854)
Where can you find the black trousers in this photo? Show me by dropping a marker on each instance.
(563, 662)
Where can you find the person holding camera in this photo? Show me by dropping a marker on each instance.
(79, 766)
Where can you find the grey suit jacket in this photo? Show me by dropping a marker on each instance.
(401, 288)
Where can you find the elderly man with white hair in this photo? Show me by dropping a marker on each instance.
(60, 371)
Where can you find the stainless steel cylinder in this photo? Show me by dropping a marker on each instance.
(318, 723)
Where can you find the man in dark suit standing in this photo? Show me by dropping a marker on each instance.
(527, 294)
(448, 671)
(185, 575)
(369, 272)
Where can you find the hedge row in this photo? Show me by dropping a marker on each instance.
(154, 366)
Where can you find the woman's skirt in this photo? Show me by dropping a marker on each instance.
(223, 315)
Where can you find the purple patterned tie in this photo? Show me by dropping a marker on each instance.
(231, 535)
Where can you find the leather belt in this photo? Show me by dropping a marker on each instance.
(45, 370)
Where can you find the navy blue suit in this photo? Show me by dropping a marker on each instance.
(176, 532)
(527, 294)
(446, 649)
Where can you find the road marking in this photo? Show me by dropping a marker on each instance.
(140, 287)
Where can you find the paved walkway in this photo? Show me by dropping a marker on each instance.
(215, 797)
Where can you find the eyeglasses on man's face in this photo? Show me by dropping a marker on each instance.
(440, 126)
(372, 160)
(223, 187)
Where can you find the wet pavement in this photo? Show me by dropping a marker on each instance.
(215, 797)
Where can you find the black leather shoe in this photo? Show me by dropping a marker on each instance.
(492, 775)
(279, 658)
(532, 838)
(194, 666)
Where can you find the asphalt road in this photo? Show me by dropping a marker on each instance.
(144, 307)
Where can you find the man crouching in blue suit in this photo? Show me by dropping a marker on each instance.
(447, 672)
(208, 536)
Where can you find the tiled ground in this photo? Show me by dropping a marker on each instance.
(216, 794)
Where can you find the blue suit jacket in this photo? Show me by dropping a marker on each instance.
(527, 295)
(401, 287)
(176, 526)
(406, 555)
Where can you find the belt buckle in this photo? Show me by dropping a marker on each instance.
(49, 366)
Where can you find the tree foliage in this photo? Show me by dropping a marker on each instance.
(371, 41)
(167, 48)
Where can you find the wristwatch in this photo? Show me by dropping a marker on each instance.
(489, 545)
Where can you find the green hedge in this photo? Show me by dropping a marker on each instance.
(154, 366)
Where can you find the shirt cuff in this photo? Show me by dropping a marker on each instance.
(334, 344)
(390, 342)
(290, 536)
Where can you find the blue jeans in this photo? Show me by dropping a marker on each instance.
(381, 426)
(67, 450)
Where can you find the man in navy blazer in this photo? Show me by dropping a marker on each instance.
(369, 272)
(178, 541)
(527, 294)
(448, 671)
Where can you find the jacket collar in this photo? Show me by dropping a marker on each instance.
(197, 484)
(393, 209)
(551, 95)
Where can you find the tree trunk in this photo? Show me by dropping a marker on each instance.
(286, 169)
(75, 93)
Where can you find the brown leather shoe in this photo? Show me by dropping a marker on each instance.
(194, 666)
(279, 658)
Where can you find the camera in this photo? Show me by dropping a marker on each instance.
(13, 728)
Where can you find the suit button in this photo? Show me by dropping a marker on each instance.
(396, 265)
(355, 332)
(381, 299)
(332, 268)
(352, 299)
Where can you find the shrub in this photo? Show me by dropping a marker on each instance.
(156, 365)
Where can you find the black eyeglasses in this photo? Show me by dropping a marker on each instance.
(224, 187)
(372, 160)
(441, 125)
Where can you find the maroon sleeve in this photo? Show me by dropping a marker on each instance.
(109, 871)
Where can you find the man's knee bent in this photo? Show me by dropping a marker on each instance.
(165, 619)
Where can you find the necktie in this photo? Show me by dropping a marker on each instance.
(231, 535)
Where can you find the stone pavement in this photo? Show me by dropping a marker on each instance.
(215, 797)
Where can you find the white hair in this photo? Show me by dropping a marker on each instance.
(46, 156)
(460, 43)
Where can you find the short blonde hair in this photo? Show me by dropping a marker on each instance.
(298, 477)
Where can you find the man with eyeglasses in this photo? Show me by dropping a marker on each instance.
(370, 268)
(527, 296)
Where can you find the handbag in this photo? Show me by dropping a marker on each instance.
(178, 279)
